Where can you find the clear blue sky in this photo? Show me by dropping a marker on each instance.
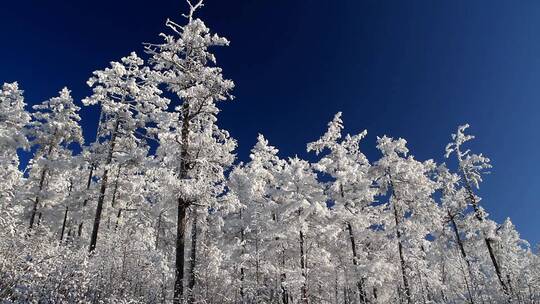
(412, 69)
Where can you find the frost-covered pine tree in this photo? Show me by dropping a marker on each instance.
(130, 100)
(471, 167)
(190, 137)
(411, 213)
(301, 214)
(54, 127)
(13, 120)
(350, 192)
(251, 224)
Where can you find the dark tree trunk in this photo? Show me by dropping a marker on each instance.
(85, 202)
(305, 298)
(64, 224)
(480, 218)
(36, 201)
(193, 260)
(183, 204)
(359, 282)
(118, 216)
(402, 258)
(242, 271)
(463, 254)
(283, 278)
(103, 188)
(459, 242)
(115, 191)
(66, 213)
(180, 246)
(158, 229)
(41, 186)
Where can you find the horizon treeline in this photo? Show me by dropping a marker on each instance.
(157, 210)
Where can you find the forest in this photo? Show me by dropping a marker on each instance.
(157, 209)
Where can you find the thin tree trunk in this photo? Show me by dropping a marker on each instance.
(183, 204)
(480, 218)
(90, 176)
(64, 224)
(402, 258)
(242, 271)
(36, 201)
(193, 260)
(118, 216)
(305, 298)
(283, 278)
(66, 213)
(158, 229)
(103, 188)
(85, 202)
(41, 186)
(115, 191)
(359, 283)
(180, 246)
(463, 254)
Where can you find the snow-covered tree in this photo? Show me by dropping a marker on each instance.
(350, 191)
(54, 127)
(130, 100)
(13, 120)
(191, 143)
(471, 167)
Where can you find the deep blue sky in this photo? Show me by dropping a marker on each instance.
(412, 69)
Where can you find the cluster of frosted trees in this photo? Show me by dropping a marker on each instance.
(155, 210)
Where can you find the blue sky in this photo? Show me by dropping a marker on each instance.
(411, 69)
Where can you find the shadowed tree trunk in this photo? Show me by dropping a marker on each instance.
(103, 188)
(64, 224)
(403, 265)
(193, 260)
(479, 216)
(36, 201)
(85, 202)
(283, 278)
(89, 181)
(406, 287)
(463, 254)
(305, 298)
(359, 283)
(242, 271)
(41, 185)
(183, 204)
(66, 213)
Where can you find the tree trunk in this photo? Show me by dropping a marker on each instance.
(180, 246)
(103, 188)
(242, 271)
(158, 229)
(283, 278)
(463, 254)
(64, 224)
(36, 201)
(183, 204)
(303, 265)
(359, 283)
(402, 258)
(66, 213)
(85, 202)
(118, 216)
(115, 191)
(193, 260)
(480, 218)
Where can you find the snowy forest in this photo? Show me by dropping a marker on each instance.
(157, 208)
